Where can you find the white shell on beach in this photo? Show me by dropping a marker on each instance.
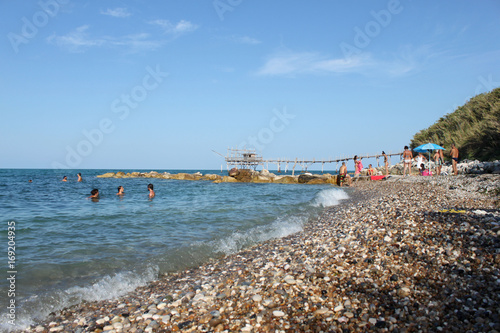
(278, 313)
(257, 298)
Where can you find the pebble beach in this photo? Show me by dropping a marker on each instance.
(413, 254)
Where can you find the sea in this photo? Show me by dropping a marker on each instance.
(61, 248)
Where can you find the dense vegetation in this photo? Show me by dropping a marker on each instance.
(473, 127)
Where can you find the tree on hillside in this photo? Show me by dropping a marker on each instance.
(473, 127)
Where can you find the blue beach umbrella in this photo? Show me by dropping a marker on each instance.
(427, 147)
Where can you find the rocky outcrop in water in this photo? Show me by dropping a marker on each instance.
(234, 175)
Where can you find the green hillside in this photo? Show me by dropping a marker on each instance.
(473, 127)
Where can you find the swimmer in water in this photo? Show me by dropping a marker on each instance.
(94, 195)
(151, 192)
(120, 190)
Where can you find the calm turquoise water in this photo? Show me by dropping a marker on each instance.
(69, 248)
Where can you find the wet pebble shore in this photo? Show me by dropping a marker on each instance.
(408, 255)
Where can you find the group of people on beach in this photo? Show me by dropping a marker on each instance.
(438, 160)
(358, 167)
(408, 159)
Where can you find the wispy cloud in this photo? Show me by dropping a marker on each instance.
(140, 41)
(406, 60)
(245, 40)
(176, 29)
(291, 63)
(116, 12)
(413, 59)
(79, 40)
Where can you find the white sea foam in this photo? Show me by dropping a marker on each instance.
(109, 287)
(329, 197)
(281, 227)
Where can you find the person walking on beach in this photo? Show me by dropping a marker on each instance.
(407, 158)
(79, 175)
(386, 163)
(343, 175)
(454, 157)
(358, 166)
(120, 190)
(151, 191)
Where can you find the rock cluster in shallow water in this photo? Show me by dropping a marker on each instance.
(234, 175)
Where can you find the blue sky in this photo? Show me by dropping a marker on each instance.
(160, 84)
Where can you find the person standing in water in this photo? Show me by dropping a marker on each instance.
(79, 175)
(120, 190)
(65, 179)
(151, 191)
(94, 195)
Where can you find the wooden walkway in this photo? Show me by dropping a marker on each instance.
(245, 158)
